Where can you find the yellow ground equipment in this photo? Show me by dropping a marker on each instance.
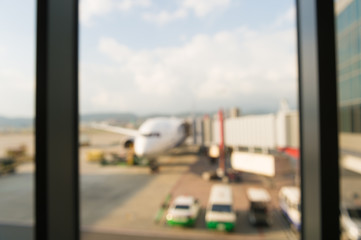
(16, 152)
(7, 165)
(95, 156)
(130, 154)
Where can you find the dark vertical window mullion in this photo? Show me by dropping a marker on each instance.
(318, 120)
(56, 181)
(41, 201)
(330, 196)
(76, 194)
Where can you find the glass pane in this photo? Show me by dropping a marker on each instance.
(17, 77)
(160, 83)
(348, 32)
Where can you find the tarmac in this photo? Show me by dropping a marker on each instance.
(125, 202)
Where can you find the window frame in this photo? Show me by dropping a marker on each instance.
(318, 119)
(57, 176)
(56, 121)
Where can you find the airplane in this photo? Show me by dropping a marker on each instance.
(154, 137)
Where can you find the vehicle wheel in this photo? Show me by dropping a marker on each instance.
(154, 167)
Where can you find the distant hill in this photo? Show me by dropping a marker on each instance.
(6, 122)
(178, 115)
(119, 117)
(130, 117)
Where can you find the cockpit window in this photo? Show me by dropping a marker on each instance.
(154, 134)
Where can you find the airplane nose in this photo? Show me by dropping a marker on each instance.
(139, 150)
(141, 147)
(144, 147)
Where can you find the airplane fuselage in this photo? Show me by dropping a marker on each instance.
(158, 135)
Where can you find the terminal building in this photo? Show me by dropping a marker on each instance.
(348, 50)
(348, 30)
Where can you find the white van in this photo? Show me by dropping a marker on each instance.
(259, 206)
(220, 214)
(289, 200)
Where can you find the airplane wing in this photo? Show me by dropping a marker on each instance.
(114, 129)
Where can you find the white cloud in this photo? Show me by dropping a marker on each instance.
(89, 9)
(165, 17)
(95, 8)
(23, 84)
(183, 37)
(118, 52)
(126, 5)
(287, 18)
(92, 8)
(240, 67)
(201, 8)
(108, 102)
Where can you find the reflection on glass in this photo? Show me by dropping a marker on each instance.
(348, 35)
(178, 96)
(17, 71)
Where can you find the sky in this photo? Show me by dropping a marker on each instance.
(162, 56)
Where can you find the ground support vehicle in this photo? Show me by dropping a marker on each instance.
(350, 219)
(259, 205)
(183, 211)
(220, 214)
(289, 200)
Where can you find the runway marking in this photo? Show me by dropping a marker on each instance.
(162, 208)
